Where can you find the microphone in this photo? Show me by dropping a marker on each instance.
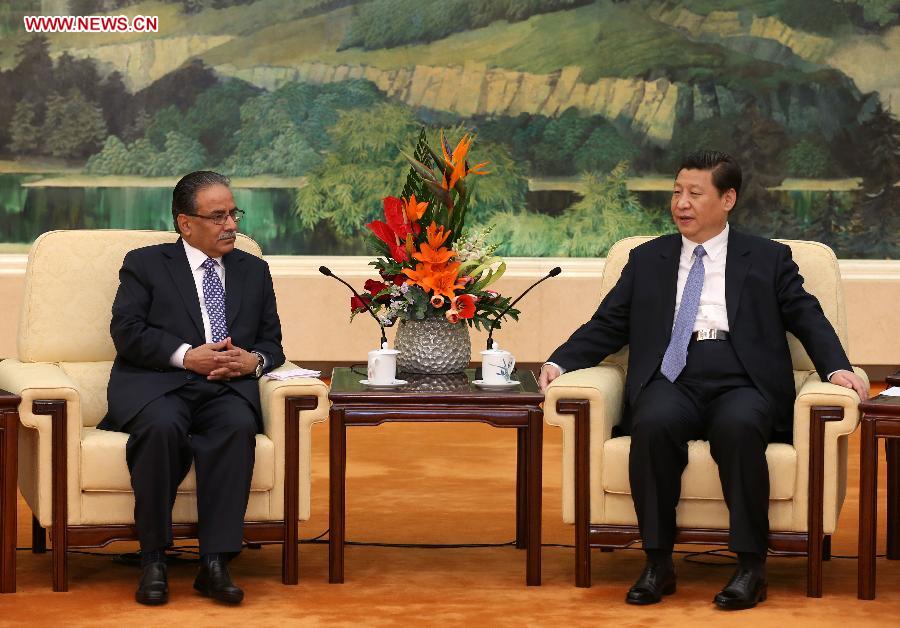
(327, 272)
(553, 273)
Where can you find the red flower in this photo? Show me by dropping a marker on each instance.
(397, 230)
(465, 304)
(386, 234)
(359, 305)
(397, 280)
(374, 287)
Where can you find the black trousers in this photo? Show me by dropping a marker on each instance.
(713, 399)
(202, 422)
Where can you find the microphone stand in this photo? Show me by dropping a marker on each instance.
(553, 273)
(327, 272)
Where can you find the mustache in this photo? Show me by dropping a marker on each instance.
(228, 235)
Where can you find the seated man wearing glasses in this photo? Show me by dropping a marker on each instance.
(195, 325)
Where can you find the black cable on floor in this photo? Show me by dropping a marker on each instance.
(173, 554)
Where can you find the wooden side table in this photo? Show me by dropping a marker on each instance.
(437, 399)
(9, 450)
(880, 419)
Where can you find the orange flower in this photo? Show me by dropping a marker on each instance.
(436, 235)
(420, 276)
(456, 168)
(433, 256)
(432, 252)
(440, 280)
(446, 282)
(414, 209)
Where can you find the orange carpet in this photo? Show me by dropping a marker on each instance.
(452, 484)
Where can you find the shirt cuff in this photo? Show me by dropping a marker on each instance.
(561, 369)
(177, 358)
(828, 379)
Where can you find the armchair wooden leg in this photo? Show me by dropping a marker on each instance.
(56, 408)
(819, 415)
(581, 409)
(9, 422)
(826, 548)
(290, 569)
(38, 537)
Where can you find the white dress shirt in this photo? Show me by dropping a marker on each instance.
(195, 258)
(712, 313)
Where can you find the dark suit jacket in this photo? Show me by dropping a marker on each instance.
(764, 298)
(157, 309)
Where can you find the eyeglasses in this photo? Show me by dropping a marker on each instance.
(219, 218)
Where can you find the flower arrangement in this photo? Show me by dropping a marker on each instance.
(429, 263)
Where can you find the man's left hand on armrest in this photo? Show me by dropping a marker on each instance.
(849, 379)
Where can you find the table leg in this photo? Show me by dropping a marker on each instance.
(533, 472)
(868, 486)
(892, 447)
(521, 492)
(337, 459)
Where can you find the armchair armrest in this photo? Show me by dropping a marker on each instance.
(272, 394)
(40, 380)
(50, 458)
(815, 392)
(603, 386)
(292, 442)
(824, 416)
(603, 389)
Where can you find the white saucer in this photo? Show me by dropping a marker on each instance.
(495, 386)
(393, 384)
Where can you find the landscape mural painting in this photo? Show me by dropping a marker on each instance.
(583, 109)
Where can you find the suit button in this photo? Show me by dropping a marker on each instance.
(190, 376)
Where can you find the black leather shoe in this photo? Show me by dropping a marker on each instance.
(745, 590)
(654, 583)
(153, 589)
(213, 581)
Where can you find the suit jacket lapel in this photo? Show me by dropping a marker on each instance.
(234, 285)
(737, 263)
(182, 277)
(670, 257)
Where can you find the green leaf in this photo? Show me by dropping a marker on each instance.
(423, 170)
(491, 277)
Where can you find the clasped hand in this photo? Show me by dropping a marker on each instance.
(220, 361)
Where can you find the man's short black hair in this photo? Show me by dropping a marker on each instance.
(184, 196)
(726, 173)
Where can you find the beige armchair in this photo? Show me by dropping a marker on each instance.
(808, 478)
(74, 476)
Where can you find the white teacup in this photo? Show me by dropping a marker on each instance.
(382, 366)
(497, 366)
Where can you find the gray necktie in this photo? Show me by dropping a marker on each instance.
(676, 353)
(214, 298)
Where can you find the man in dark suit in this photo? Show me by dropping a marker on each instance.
(195, 325)
(704, 314)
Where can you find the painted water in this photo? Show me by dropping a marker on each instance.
(26, 211)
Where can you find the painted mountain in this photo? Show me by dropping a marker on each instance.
(583, 108)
